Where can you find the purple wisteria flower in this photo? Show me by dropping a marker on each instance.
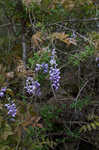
(1, 94)
(32, 87)
(44, 67)
(97, 59)
(38, 67)
(54, 77)
(54, 72)
(37, 91)
(53, 61)
(53, 52)
(2, 91)
(11, 109)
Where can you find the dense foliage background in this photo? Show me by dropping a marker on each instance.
(49, 74)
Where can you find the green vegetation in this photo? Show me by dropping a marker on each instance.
(49, 74)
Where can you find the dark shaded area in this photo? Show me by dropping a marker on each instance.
(86, 146)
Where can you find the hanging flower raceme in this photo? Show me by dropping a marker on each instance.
(54, 77)
(2, 91)
(32, 87)
(11, 109)
(54, 72)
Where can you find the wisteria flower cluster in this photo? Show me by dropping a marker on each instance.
(32, 87)
(43, 66)
(54, 71)
(11, 109)
(2, 91)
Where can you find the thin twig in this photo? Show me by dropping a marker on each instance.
(81, 90)
(54, 92)
(75, 20)
(76, 122)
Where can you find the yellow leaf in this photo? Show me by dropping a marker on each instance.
(83, 128)
(89, 127)
(93, 125)
(10, 92)
(96, 117)
(97, 123)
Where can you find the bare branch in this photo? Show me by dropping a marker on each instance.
(81, 90)
(4, 25)
(24, 48)
(76, 20)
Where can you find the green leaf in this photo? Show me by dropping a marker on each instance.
(7, 132)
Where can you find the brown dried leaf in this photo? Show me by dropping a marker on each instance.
(60, 35)
(72, 41)
(39, 125)
(26, 123)
(64, 38)
(36, 40)
(33, 121)
(20, 69)
(68, 4)
(19, 131)
(37, 119)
